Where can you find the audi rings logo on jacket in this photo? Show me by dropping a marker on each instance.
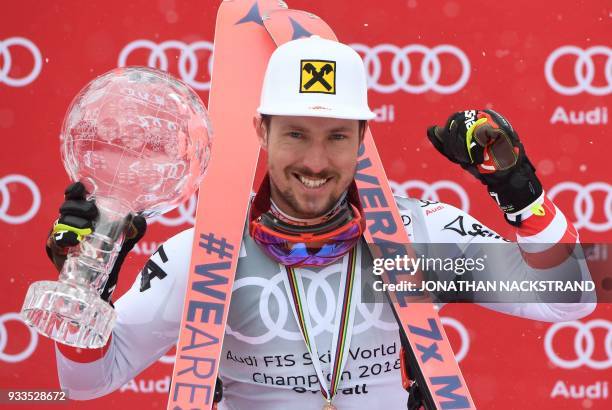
(401, 68)
(24, 353)
(188, 62)
(584, 70)
(584, 343)
(279, 325)
(5, 199)
(430, 191)
(584, 203)
(7, 61)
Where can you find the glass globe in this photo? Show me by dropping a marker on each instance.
(139, 136)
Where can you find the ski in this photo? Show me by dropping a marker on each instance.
(434, 369)
(238, 71)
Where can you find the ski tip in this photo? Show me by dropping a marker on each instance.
(285, 25)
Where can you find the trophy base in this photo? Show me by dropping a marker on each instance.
(68, 314)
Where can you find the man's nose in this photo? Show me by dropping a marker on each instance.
(316, 157)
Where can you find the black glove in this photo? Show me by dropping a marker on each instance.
(76, 221)
(77, 216)
(485, 144)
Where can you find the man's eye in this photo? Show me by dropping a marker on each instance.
(295, 134)
(338, 137)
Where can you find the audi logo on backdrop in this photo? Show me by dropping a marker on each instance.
(584, 70)
(7, 58)
(5, 199)
(584, 203)
(430, 191)
(24, 353)
(584, 343)
(188, 62)
(431, 70)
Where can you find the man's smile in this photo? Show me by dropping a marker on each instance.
(310, 182)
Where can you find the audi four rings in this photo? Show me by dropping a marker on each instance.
(158, 59)
(5, 52)
(430, 70)
(322, 321)
(584, 344)
(584, 70)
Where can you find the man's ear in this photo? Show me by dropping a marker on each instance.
(261, 131)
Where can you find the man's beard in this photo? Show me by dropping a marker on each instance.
(296, 208)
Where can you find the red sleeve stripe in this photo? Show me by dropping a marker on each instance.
(536, 224)
(545, 238)
(79, 355)
(555, 253)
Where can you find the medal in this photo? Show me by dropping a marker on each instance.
(349, 293)
(329, 406)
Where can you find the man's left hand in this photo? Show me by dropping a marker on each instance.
(484, 143)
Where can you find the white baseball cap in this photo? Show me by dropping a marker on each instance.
(315, 77)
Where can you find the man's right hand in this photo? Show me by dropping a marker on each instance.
(77, 216)
(76, 221)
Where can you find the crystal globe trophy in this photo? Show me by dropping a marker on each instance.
(139, 140)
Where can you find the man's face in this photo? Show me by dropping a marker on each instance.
(311, 161)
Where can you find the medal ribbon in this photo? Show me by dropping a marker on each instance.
(350, 285)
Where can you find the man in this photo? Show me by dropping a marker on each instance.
(302, 247)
